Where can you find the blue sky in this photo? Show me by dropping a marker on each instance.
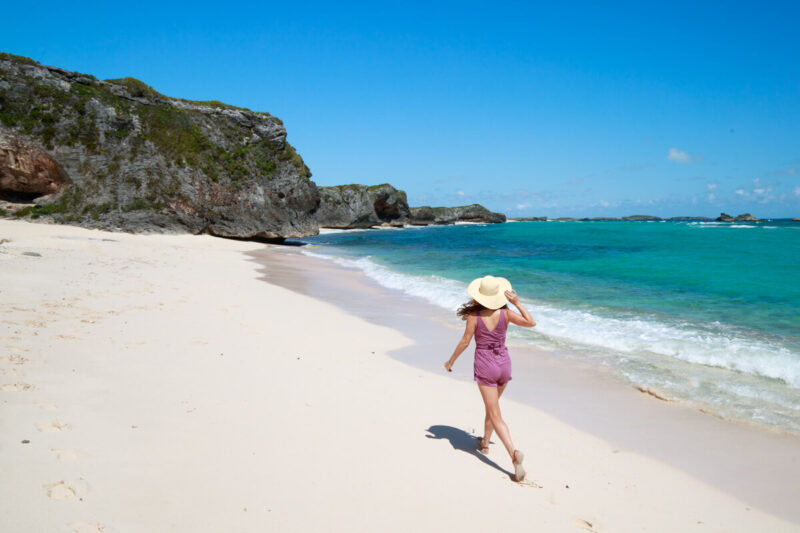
(579, 109)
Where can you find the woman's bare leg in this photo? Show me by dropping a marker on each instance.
(491, 395)
(488, 428)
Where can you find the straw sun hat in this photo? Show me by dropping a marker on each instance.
(489, 291)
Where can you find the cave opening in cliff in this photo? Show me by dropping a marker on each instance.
(386, 211)
(16, 197)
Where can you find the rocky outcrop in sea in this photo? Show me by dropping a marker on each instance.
(476, 213)
(746, 217)
(116, 154)
(362, 206)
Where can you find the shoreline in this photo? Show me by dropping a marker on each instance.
(156, 382)
(692, 330)
(585, 395)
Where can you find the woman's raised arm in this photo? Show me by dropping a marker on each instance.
(524, 319)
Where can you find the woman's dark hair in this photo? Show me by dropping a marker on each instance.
(470, 307)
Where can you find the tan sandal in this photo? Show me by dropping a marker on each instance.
(519, 470)
(481, 448)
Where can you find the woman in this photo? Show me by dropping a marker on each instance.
(487, 317)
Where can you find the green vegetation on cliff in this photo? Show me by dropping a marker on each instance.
(128, 148)
(61, 116)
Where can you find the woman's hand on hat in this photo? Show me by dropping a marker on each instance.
(512, 297)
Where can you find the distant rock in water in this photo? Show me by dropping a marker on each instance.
(641, 217)
(746, 217)
(116, 154)
(633, 218)
(425, 215)
(528, 219)
(796, 220)
(689, 219)
(362, 206)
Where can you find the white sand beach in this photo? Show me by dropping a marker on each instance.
(159, 383)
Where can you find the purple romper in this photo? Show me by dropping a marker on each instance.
(492, 364)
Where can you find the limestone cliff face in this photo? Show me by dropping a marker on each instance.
(362, 206)
(116, 154)
(425, 215)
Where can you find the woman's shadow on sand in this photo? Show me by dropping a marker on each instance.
(463, 441)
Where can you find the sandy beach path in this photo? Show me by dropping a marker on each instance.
(154, 383)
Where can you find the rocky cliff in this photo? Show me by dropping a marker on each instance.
(117, 154)
(361, 206)
(425, 215)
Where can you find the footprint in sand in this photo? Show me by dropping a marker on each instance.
(52, 427)
(47, 406)
(65, 455)
(84, 527)
(14, 359)
(16, 387)
(60, 491)
(9, 372)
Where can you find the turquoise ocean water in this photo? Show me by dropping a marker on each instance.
(707, 313)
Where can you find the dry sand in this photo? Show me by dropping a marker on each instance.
(155, 383)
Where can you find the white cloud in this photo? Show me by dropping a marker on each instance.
(756, 180)
(460, 193)
(740, 192)
(679, 156)
(711, 196)
(522, 206)
(758, 191)
(711, 186)
(797, 191)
